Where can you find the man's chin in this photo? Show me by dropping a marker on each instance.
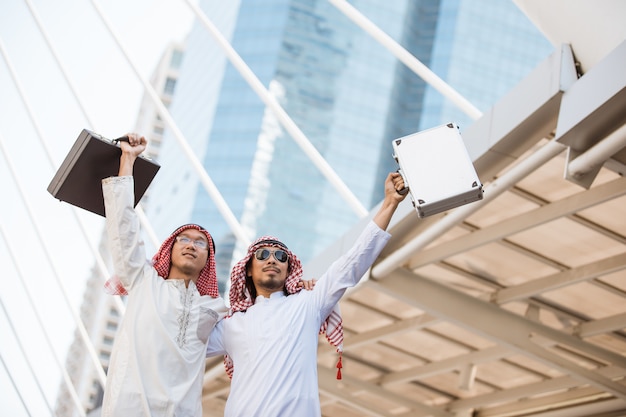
(190, 268)
(273, 285)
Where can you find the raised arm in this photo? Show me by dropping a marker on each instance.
(122, 224)
(352, 265)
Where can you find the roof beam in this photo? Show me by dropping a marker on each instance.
(581, 402)
(561, 279)
(446, 365)
(526, 391)
(330, 387)
(354, 341)
(501, 326)
(524, 221)
(605, 325)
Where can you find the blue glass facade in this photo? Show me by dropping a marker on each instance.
(348, 94)
(483, 48)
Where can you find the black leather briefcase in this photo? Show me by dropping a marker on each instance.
(78, 181)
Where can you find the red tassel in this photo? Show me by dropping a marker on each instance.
(339, 366)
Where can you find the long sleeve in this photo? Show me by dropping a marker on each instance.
(123, 229)
(346, 271)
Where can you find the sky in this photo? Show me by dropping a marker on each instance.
(45, 255)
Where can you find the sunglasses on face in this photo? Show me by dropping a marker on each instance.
(279, 254)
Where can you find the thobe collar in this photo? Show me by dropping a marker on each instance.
(180, 284)
(273, 297)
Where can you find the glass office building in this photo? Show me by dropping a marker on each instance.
(349, 95)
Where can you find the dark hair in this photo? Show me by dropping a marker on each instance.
(249, 284)
(271, 242)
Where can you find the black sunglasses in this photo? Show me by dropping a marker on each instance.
(279, 254)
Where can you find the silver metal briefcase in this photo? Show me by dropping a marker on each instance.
(437, 169)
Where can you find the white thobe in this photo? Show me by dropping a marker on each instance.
(273, 345)
(158, 357)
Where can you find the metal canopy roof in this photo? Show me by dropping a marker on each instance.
(511, 306)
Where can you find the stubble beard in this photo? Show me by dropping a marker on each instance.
(272, 284)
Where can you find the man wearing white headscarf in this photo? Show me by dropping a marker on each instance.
(269, 338)
(157, 362)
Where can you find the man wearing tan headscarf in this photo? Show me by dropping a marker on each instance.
(158, 358)
(269, 337)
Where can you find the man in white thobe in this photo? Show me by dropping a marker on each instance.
(270, 336)
(173, 304)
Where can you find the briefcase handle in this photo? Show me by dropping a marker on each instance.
(121, 139)
(405, 190)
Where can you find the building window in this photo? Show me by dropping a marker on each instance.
(177, 58)
(170, 84)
